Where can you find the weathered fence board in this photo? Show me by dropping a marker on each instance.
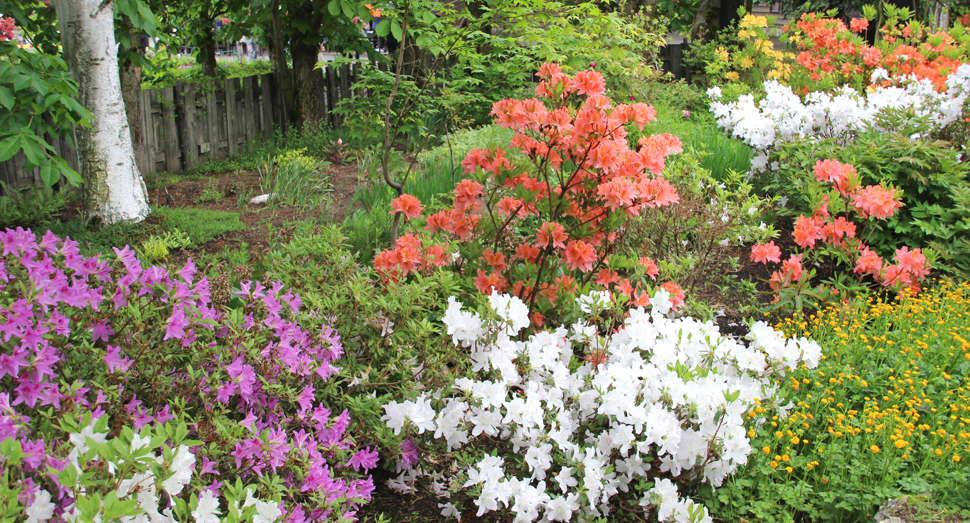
(187, 124)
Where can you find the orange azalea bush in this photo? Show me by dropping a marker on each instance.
(832, 54)
(542, 228)
(832, 230)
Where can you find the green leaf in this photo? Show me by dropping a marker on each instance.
(396, 31)
(9, 147)
(383, 28)
(7, 98)
(347, 8)
(334, 7)
(48, 174)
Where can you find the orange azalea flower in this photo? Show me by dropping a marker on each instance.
(408, 205)
(580, 256)
(766, 252)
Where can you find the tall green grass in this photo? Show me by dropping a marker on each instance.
(368, 229)
(699, 133)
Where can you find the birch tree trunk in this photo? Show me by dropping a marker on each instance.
(112, 187)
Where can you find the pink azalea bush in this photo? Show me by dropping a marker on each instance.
(119, 382)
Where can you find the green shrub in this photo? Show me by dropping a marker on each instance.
(934, 185)
(884, 414)
(391, 337)
(30, 207)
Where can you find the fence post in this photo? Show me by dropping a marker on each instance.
(173, 160)
(249, 89)
(267, 104)
(190, 141)
(232, 116)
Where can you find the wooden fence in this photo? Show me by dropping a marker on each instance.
(672, 56)
(188, 124)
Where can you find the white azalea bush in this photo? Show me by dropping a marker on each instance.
(656, 402)
(782, 116)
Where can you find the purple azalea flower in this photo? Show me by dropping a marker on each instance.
(366, 459)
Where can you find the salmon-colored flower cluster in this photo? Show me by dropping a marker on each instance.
(836, 53)
(407, 256)
(543, 228)
(835, 229)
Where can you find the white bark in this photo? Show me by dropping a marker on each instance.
(113, 188)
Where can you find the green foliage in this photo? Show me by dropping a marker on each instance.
(369, 228)
(690, 240)
(37, 98)
(158, 180)
(157, 247)
(200, 225)
(391, 337)
(295, 179)
(934, 185)
(166, 71)
(94, 238)
(457, 145)
(211, 193)
(31, 207)
(882, 415)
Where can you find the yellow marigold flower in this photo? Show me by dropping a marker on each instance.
(780, 434)
(939, 452)
(789, 470)
(734, 77)
(901, 444)
(766, 450)
(795, 440)
(874, 449)
(785, 458)
(956, 457)
(825, 480)
(774, 464)
(751, 433)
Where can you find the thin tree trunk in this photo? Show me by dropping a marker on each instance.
(131, 92)
(279, 58)
(112, 187)
(207, 52)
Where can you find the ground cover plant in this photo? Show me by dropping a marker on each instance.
(885, 413)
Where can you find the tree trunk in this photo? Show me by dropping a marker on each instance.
(308, 79)
(279, 58)
(207, 52)
(112, 187)
(131, 92)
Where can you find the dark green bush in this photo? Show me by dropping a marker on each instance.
(934, 185)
